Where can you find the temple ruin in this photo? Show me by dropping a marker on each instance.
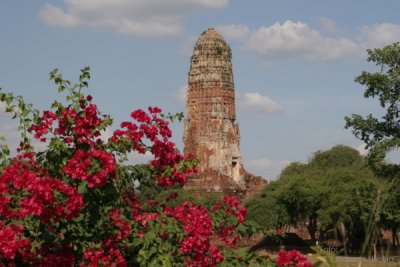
(210, 129)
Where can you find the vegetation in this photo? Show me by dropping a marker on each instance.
(75, 204)
(334, 192)
(381, 135)
(79, 203)
(338, 190)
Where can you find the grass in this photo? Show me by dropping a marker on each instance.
(365, 262)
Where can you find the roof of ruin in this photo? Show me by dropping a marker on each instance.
(212, 43)
(210, 34)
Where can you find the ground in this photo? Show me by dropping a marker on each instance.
(266, 246)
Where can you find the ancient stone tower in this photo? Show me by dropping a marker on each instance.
(210, 130)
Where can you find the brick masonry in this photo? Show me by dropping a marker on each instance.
(210, 129)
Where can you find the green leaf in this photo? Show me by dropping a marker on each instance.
(9, 100)
(25, 112)
(149, 237)
(82, 188)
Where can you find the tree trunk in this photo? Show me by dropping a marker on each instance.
(394, 237)
(374, 238)
(321, 235)
(312, 228)
(343, 234)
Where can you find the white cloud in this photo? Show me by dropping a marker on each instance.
(267, 168)
(298, 40)
(255, 102)
(145, 18)
(379, 35)
(290, 40)
(361, 149)
(180, 94)
(57, 17)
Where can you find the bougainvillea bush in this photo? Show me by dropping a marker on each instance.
(75, 203)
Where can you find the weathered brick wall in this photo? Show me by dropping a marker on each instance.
(254, 184)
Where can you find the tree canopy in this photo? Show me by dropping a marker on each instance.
(381, 135)
(335, 189)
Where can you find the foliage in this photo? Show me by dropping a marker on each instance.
(174, 195)
(323, 257)
(381, 135)
(390, 216)
(75, 203)
(264, 211)
(337, 157)
(332, 192)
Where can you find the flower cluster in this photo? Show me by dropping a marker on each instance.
(43, 196)
(42, 128)
(145, 217)
(167, 160)
(235, 208)
(93, 166)
(227, 216)
(292, 258)
(56, 256)
(79, 124)
(198, 227)
(82, 124)
(13, 242)
(29, 192)
(102, 257)
(124, 226)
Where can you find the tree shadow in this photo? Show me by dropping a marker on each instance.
(289, 241)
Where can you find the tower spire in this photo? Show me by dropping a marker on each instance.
(210, 130)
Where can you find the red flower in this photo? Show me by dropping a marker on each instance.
(292, 258)
(104, 257)
(198, 227)
(42, 128)
(124, 226)
(13, 242)
(82, 166)
(167, 160)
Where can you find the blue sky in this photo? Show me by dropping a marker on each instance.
(294, 62)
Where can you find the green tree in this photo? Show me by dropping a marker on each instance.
(334, 191)
(301, 196)
(390, 215)
(264, 211)
(381, 135)
(350, 206)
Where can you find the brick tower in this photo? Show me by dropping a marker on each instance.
(210, 130)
